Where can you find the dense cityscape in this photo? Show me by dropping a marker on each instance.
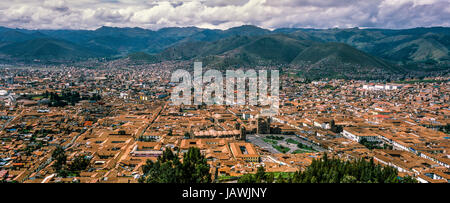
(111, 124)
(224, 100)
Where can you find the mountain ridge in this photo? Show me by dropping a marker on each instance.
(416, 48)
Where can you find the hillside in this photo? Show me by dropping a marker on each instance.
(341, 52)
(416, 45)
(269, 49)
(417, 50)
(47, 49)
(142, 57)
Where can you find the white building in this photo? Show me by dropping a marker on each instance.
(355, 136)
(323, 125)
(381, 87)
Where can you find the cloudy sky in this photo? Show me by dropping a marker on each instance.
(223, 14)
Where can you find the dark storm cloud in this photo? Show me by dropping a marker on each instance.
(222, 14)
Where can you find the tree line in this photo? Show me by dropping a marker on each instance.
(170, 169)
(333, 170)
(194, 169)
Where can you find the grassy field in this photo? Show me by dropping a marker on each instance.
(283, 174)
(270, 141)
(281, 148)
(290, 140)
(227, 178)
(305, 147)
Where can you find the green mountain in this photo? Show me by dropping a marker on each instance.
(276, 48)
(418, 45)
(339, 60)
(418, 50)
(270, 49)
(47, 49)
(198, 49)
(340, 52)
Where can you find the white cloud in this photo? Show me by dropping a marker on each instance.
(223, 14)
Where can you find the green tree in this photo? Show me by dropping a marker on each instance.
(60, 158)
(348, 179)
(260, 175)
(333, 170)
(270, 178)
(195, 168)
(281, 179)
(79, 163)
(166, 169)
(247, 178)
(169, 169)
